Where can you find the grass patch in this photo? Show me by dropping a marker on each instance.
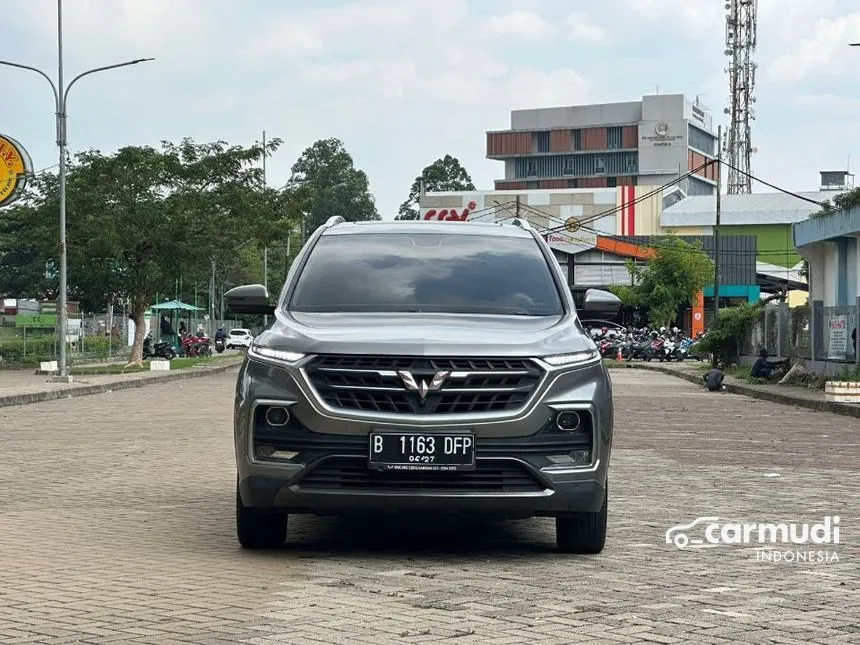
(175, 364)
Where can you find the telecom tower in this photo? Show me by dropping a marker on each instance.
(740, 45)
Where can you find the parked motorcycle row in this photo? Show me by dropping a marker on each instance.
(646, 344)
(189, 346)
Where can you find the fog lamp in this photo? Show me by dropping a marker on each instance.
(568, 421)
(277, 416)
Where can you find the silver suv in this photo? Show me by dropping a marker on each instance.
(423, 367)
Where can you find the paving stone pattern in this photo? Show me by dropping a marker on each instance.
(117, 527)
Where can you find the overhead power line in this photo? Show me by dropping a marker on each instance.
(621, 238)
(656, 191)
(769, 185)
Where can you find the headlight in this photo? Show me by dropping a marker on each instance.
(575, 358)
(280, 355)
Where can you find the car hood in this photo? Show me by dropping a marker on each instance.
(425, 334)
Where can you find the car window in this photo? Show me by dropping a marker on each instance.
(427, 272)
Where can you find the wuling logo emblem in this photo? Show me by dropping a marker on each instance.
(422, 387)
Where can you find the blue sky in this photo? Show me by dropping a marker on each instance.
(404, 82)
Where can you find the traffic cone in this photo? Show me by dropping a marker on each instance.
(618, 356)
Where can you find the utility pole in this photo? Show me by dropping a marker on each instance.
(62, 144)
(304, 228)
(212, 301)
(61, 94)
(518, 206)
(717, 226)
(266, 247)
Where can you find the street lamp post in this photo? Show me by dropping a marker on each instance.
(61, 94)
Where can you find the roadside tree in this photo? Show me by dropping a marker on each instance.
(140, 218)
(671, 279)
(331, 185)
(445, 174)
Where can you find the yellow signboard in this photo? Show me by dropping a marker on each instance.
(15, 167)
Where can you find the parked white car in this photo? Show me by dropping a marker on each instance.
(239, 338)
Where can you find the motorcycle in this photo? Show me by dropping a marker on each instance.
(204, 347)
(193, 346)
(219, 345)
(668, 350)
(656, 349)
(684, 349)
(641, 347)
(161, 349)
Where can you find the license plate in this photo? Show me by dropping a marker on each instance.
(414, 451)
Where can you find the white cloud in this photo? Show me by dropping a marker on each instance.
(404, 82)
(581, 29)
(96, 32)
(356, 26)
(286, 40)
(821, 50)
(830, 103)
(692, 14)
(519, 25)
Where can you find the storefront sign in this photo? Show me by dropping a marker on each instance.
(450, 214)
(837, 346)
(36, 320)
(571, 243)
(662, 137)
(15, 167)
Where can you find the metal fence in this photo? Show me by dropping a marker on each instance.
(92, 337)
(819, 333)
(772, 332)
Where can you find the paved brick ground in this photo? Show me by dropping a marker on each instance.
(20, 382)
(117, 527)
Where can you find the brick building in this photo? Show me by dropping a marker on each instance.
(641, 143)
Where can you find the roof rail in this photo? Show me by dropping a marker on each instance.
(334, 220)
(522, 223)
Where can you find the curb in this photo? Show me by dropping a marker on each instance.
(104, 388)
(843, 409)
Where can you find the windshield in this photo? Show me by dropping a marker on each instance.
(427, 272)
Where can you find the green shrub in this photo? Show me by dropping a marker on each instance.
(97, 346)
(19, 351)
(733, 325)
(36, 349)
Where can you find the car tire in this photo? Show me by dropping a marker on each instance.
(583, 533)
(259, 530)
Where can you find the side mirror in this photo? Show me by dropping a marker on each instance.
(601, 304)
(249, 299)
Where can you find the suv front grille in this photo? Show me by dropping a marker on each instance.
(500, 476)
(380, 383)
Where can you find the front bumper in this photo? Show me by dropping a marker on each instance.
(318, 463)
(299, 471)
(560, 497)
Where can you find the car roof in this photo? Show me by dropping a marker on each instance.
(422, 226)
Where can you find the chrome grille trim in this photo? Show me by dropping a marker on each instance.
(373, 384)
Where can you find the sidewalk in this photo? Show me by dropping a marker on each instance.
(19, 387)
(786, 394)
